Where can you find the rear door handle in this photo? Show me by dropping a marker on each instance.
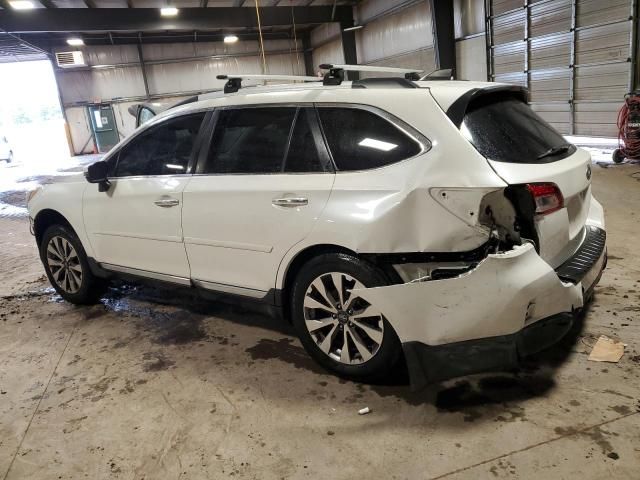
(290, 202)
(167, 202)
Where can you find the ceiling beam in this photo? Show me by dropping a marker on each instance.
(149, 19)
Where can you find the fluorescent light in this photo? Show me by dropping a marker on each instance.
(168, 11)
(357, 27)
(75, 42)
(231, 39)
(377, 144)
(174, 167)
(21, 4)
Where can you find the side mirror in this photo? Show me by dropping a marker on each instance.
(97, 173)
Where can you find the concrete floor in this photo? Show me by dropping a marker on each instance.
(160, 384)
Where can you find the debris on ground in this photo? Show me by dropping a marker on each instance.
(607, 350)
(364, 411)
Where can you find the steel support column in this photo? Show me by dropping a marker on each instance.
(143, 69)
(349, 48)
(307, 52)
(443, 33)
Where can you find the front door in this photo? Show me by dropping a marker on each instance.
(136, 225)
(104, 127)
(264, 184)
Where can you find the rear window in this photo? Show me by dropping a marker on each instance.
(508, 130)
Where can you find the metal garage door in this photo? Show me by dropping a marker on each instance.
(575, 57)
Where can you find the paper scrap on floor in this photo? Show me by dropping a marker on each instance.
(607, 350)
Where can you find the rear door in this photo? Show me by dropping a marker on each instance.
(258, 191)
(524, 149)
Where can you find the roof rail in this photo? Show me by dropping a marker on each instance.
(441, 74)
(335, 75)
(234, 82)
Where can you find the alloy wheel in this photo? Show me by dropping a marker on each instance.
(344, 326)
(64, 264)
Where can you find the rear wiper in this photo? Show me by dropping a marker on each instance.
(555, 151)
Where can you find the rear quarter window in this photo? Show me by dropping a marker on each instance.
(360, 139)
(506, 129)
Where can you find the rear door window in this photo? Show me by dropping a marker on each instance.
(506, 129)
(250, 140)
(360, 139)
(307, 152)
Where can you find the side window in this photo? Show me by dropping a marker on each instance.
(162, 150)
(361, 140)
(304, 152)
(250, 140)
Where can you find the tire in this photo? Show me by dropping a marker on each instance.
(618, 156)
(73, 280)
(328, 326)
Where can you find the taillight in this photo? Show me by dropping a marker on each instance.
(547, 197)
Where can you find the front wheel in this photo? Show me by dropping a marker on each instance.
(340, 330)
(67, 267)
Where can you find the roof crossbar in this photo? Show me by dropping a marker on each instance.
(335, 75)
(234, 82)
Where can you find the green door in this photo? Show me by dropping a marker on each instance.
(104, 126)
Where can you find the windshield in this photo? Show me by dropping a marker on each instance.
(506, 129)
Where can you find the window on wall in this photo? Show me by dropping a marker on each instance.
(361, 140)
(164, 149)
(250, 140)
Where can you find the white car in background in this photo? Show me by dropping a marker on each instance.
(6, 153)
(441, 220)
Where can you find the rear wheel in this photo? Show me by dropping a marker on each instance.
(618, 156)
(67, 266)
(340, 330)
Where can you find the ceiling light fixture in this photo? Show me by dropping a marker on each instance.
(231, 39)
(75, 42)
(169, 11)
(350, 29)
(21, 4)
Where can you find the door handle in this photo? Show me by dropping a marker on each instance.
(290, 202)
(167, 202)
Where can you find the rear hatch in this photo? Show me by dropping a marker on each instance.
(550, 179)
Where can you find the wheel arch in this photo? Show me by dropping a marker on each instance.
(293, 267)
(45, 218)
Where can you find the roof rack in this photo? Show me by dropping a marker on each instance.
(335, 75)
(234, 82)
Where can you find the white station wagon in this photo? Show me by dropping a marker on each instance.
(439, 222)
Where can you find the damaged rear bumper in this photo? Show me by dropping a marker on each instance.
(427, 364)
(512, 304)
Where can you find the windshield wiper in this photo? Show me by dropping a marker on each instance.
(565, 147)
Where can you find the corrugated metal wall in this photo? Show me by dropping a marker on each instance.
(395, 33)
(471, 45)
(174, 71)
(573, 55)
